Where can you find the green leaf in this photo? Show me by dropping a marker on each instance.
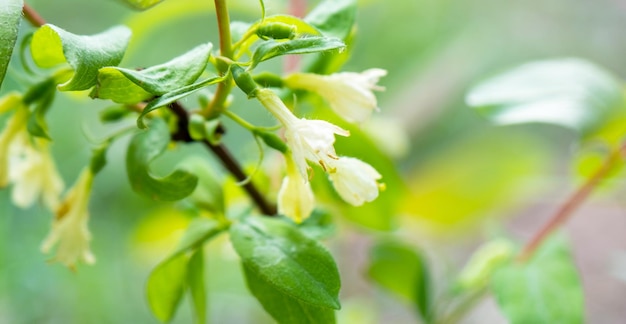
(52, 46)
(173, 96)
(284, 308)
(145, 147)
(165, 287)
(546, 289)
(10, 18)
(287, 260)
(482, 264)
(199, 231)
(274, 48)
(195, 280)
(42, 95)
(142, 4)
(404, 272)
(335, 18)
(208, 194)
(130, 86)
(114, 85)
(570, 92)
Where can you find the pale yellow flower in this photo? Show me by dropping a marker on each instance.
(69, 230)
(307, 139)
(33, 173)
(355, 181)
(295, 197)
(349, 94)
(14, 126)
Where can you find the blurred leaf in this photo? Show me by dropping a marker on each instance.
(165, 287)
(546, 289)
(159, 79)
(319, 225)
(143, 4)
(199, 231)
(404, 272)
(52, 46)
(287, 260)
(335, 18)
(272, 48)
(485, 260)
(195, 280)
(208, 194)
(570, 92)
(10, 18)
(42, 96)
(145, 147)
(177, 94)
(284, 308)
(453, 192)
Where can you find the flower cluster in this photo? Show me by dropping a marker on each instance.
(27, 164)
(350, 95)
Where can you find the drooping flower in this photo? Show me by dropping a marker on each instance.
(15, 125)
(349, 94)
(69, 230)
(295, 197)
(33, 173)
(355, 181)
(308, 139)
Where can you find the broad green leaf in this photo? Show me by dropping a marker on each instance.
(289, 261)
(160, 79)
(52, 46)
(165, 287)
(404, 272)
(195, 280)
(314, 44)
(335, 18)
(546, 289)
(145, 147)
(318, 226)
(114, 85)
(142, 4)
(570, 92)
(173, 96)
(10, 18)
(282, 307)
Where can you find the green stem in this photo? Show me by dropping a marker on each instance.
(571, 204)
(216, 106)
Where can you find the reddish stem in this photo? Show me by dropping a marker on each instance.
(571, 204)
(32, 16)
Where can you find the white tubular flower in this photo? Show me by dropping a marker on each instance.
(307, 139)
(69, 228)
(295, 198)
(33, 173)
(349, 94)
(15, 125)
(354, 180)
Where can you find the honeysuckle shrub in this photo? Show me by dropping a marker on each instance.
(317, 162)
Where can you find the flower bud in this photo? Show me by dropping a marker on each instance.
(244, 81)
(276, 30)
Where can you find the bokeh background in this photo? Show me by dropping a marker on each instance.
(467, 181)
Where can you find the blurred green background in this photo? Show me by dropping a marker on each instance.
(467, 180)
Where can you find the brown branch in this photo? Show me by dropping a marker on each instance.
(225, 157)
(570, 205)
(32, 16)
